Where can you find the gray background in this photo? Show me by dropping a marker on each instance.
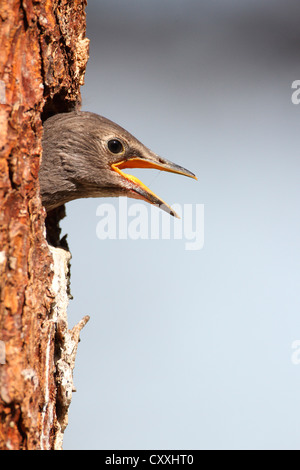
(192, 349)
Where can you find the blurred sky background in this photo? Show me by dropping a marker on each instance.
(193, 349)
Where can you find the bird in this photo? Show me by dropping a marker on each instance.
(84, 155)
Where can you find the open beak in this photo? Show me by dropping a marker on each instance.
(142, 191)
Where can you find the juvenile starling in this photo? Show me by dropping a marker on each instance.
(84, 155)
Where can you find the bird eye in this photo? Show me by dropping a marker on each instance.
(115, 146)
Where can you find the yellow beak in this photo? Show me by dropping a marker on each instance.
(141, 191)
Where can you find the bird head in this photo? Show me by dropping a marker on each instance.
(84, 155)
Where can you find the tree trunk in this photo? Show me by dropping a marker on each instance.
(43, 55)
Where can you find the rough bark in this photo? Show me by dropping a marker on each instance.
(43, 55)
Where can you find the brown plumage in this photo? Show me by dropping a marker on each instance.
(83, 155)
